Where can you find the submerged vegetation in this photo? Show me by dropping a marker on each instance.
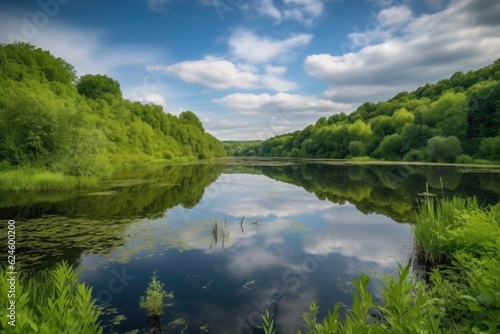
(453, 120)
(461, 240)
(51, 302)
(52, 120)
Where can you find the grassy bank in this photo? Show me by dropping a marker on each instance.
(42, 180)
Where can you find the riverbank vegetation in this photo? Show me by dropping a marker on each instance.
(52, 301)
(453, 120)
(52, 120)
(461, 240)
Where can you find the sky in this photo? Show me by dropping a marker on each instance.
(258, 68)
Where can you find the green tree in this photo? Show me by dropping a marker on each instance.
(444, 149)
(490, 149)
(390, 148)
(98, 86)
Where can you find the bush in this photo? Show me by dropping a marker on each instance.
(465, 159)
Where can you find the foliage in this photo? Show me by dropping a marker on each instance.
(152, 301)
(83, 127)
(268, 323)
(441, 149)
(234, 147)
(97, 86)
(436, 122)
(52, 302)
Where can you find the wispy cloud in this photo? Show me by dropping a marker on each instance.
(303, 11)
(245, 45)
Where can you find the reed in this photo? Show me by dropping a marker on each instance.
(433, 222)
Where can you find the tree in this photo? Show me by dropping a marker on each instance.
(402, 117)
(190, 118)
(359, 130)
(98, 86)
(490, 149)
(357, 149)
(444, 149)
(29, 130)
(390, 148)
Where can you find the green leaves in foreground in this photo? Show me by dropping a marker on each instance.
(52, 302)
(406, 308)
(153, 300)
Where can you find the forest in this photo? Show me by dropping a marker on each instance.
(52, 120)
(453, 120)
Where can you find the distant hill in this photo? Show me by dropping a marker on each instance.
(453, 120)
(49, 118)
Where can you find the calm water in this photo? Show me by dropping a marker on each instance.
(307, 231)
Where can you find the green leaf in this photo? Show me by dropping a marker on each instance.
(474, 307)
(485, 300)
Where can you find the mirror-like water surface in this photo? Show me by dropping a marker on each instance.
(232, 240)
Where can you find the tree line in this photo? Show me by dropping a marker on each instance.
(52, 119)
(453, 120)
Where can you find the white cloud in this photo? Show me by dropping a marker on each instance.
(303, 11)
(222, 74)
(394, 16)
(270, 115)
(85, 50)
(211, 72)
(245, 45)
(294, 103)
(277, 84)
(266, 7)
(465, 35)
(155, 99)
(275, 70)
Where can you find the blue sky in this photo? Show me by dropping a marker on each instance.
(257, 68)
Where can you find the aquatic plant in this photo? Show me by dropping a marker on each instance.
(152, 301)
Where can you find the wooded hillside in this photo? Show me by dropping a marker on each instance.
(456, 119)
(49, 118)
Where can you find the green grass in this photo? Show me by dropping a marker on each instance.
(51, 302)
(42, 180)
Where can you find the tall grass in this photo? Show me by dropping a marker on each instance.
(433, 221)
(41, 180)
(51, 302)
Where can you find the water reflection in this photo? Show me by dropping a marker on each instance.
(292, 248)
(231, 241)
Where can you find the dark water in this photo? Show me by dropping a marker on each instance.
(308, 230)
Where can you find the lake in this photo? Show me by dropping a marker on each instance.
(231, 239)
